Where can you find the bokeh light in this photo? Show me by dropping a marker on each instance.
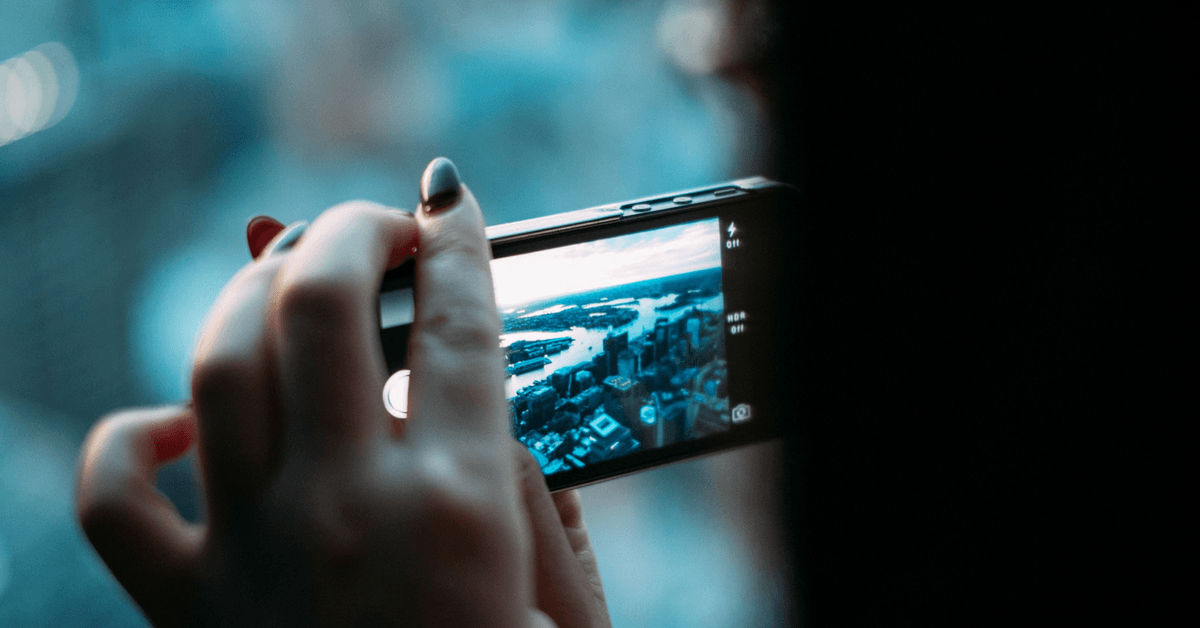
(37, 89)
(694, 34)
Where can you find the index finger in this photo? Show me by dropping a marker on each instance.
(325, 323)
(456, 383)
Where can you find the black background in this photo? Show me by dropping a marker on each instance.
(989, 430)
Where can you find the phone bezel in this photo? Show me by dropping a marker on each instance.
(758, 195)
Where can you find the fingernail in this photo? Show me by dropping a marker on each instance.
(286, 239)
(441, 186)
(259, 232)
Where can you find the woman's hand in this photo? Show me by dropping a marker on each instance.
(320, 511)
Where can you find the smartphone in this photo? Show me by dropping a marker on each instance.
(634, 334)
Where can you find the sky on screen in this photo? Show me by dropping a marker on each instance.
(531, 277)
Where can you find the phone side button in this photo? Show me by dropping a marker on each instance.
(641, 207)
(682, 200)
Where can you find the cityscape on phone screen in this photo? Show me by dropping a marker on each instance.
(614, 346)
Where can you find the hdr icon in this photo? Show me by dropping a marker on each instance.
(735, 326)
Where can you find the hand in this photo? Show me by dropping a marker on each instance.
(320, 511)
(568, 579)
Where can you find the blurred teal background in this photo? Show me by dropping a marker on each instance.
(137, 137)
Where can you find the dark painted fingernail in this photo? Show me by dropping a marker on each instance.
(286, 239)
(441, 188)
(259, 232)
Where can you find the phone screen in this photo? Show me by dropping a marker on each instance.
(618, 350)
(614, 346)
(611, 346)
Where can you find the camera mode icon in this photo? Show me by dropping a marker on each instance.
(741, 413)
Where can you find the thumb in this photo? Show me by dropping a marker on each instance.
(146, 544)
(566, 579)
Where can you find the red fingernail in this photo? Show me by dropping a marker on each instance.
(259, 231)
(173, 438)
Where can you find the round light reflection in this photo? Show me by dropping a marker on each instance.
(395, 394)
(8, 128)
(67, 79)
(47, 82)
(37, 89)
(24, 94)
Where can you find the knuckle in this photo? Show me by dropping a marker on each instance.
(331, 516)
(351, 210)
(352, 217)
(527, 466)
(235, 320)
(333, 528)
(358, 217)
(466, 330)
(311, 300)
(570, 509)
(256, 277)
(249, 283)
(102, 445)
(461, 488)
(457, 247)
(104, 485)
(458, 517)
(104, 427)
(214, 377)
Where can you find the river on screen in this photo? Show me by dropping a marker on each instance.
(588, 342)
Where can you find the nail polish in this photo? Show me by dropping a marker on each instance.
(286, 239)
(260, 230)
(441, 187)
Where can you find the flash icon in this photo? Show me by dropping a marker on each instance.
(731, 229)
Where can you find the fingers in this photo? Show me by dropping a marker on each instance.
(150, 549)
(456, 384)
(567, 581)
(233, 389)
(325, 322)
(570, 514)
